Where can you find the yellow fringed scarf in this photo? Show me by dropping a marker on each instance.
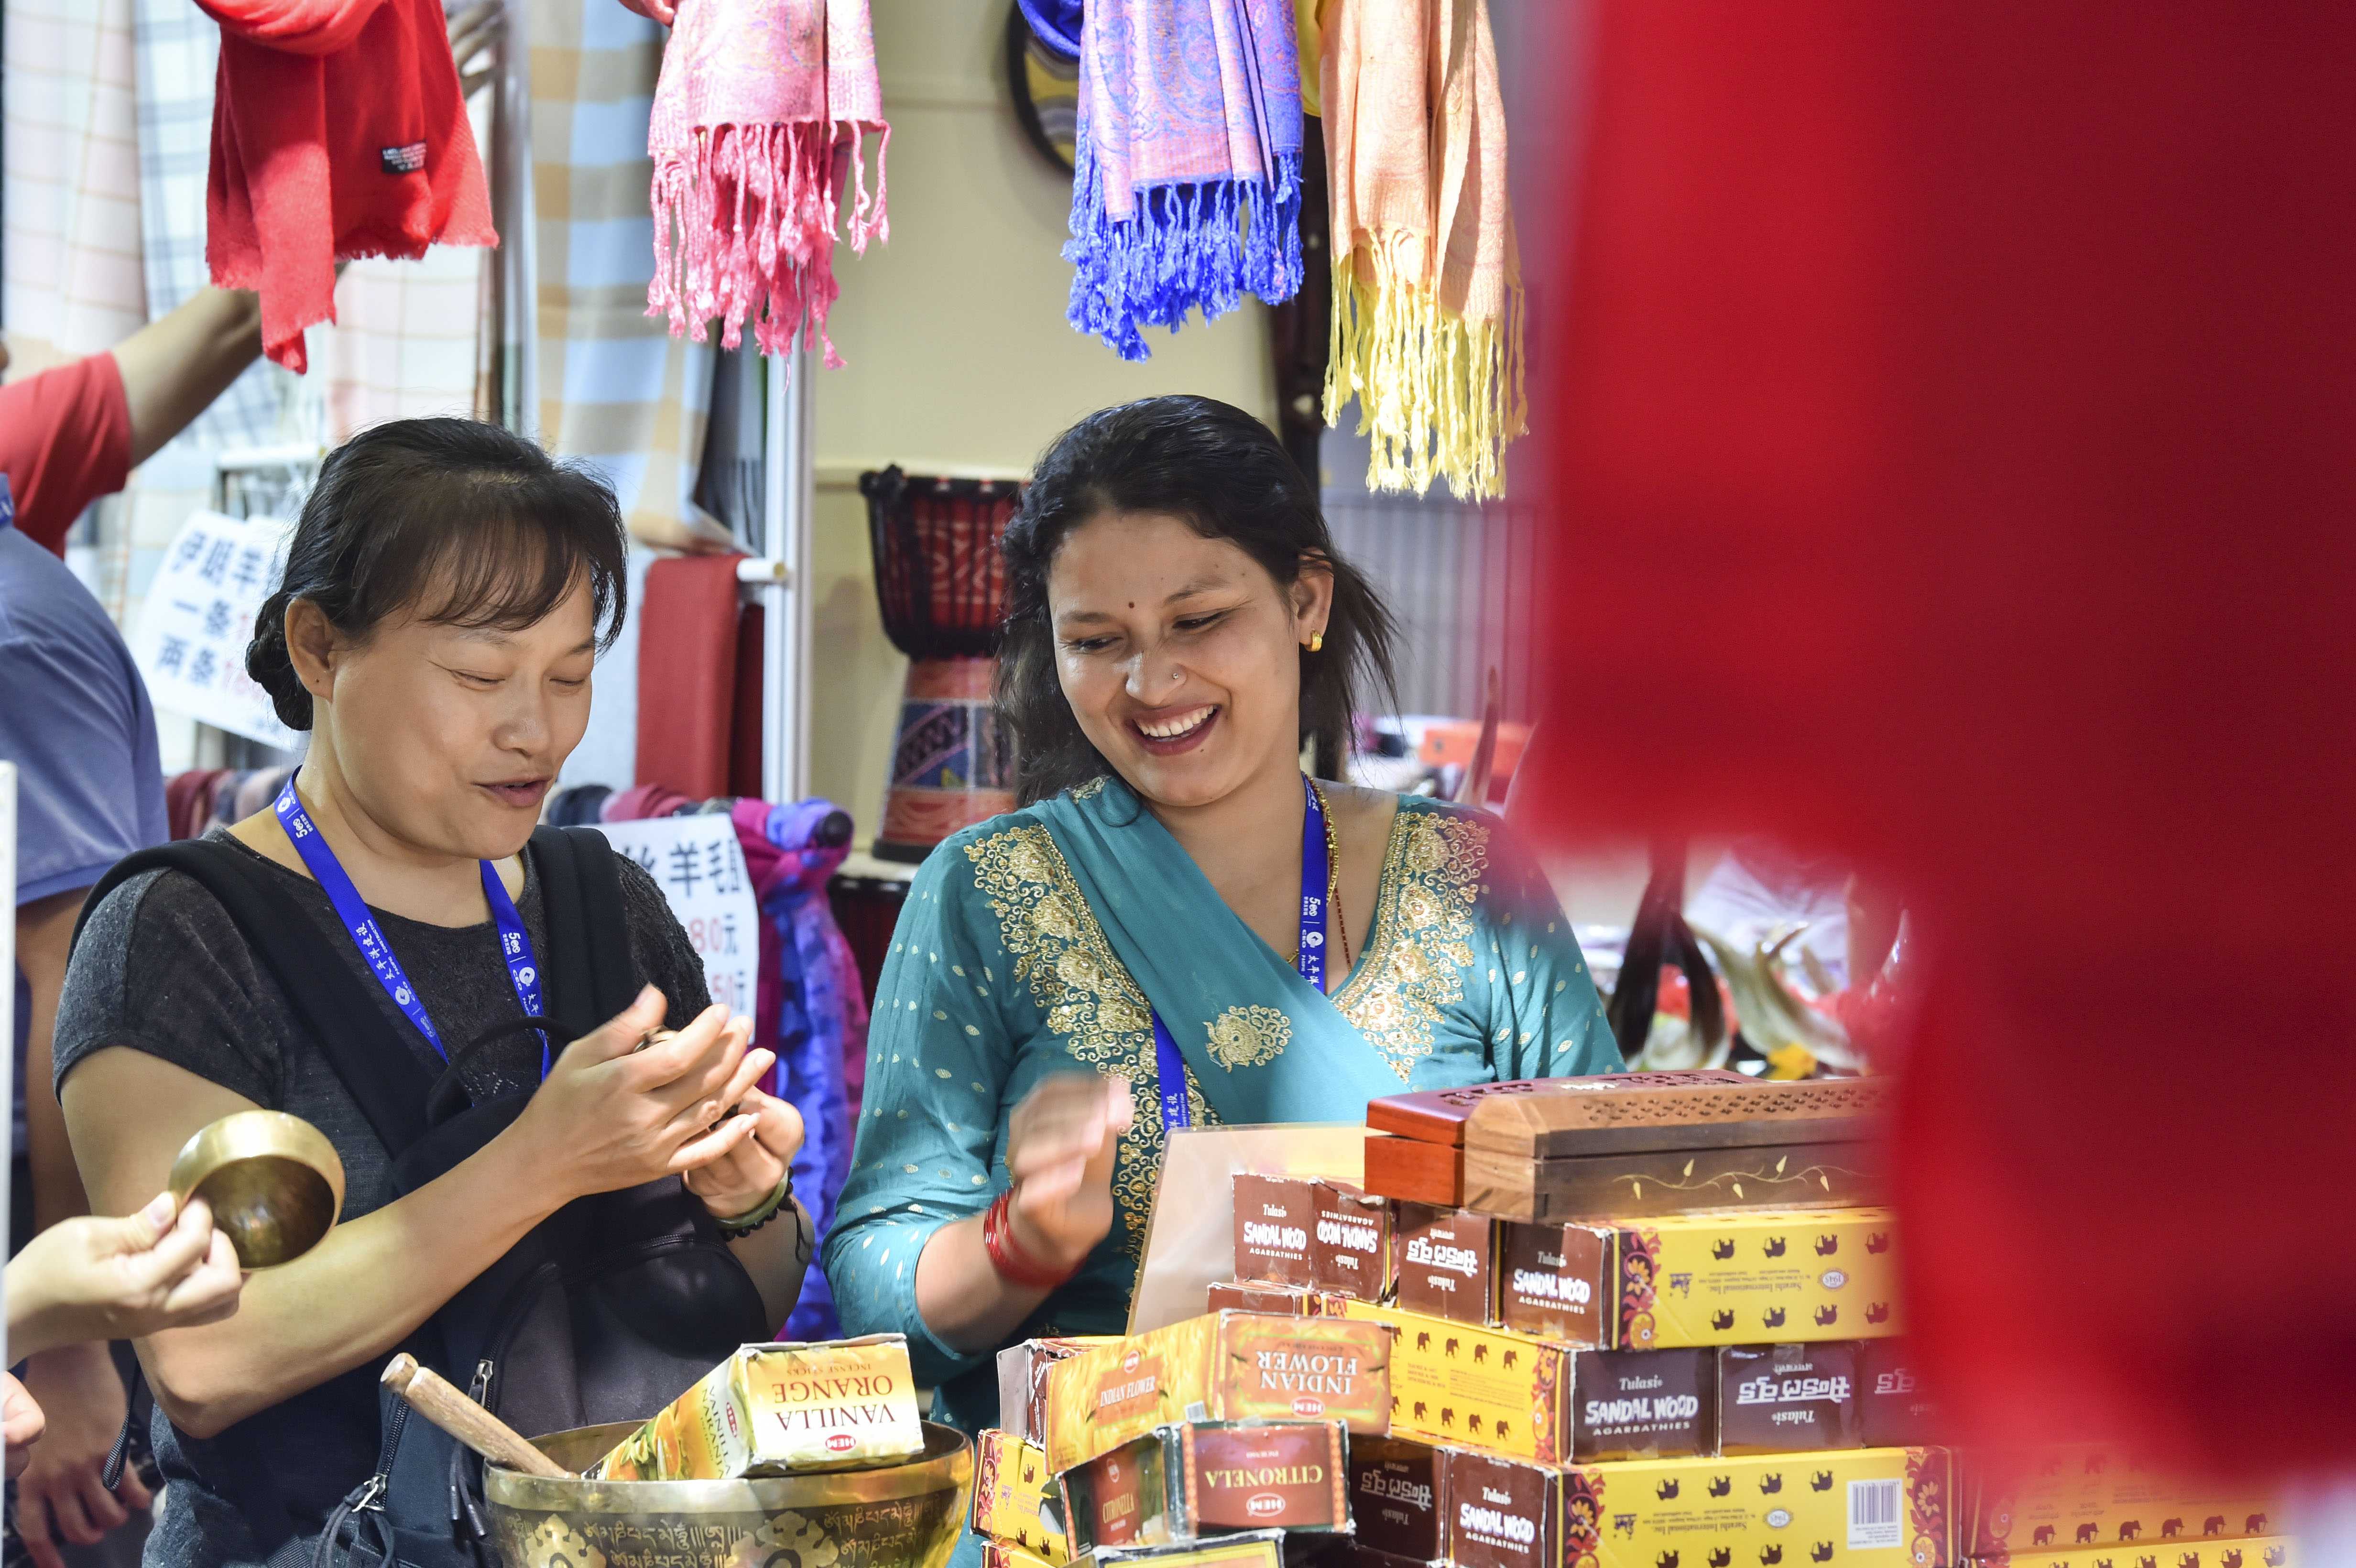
(1426, 283)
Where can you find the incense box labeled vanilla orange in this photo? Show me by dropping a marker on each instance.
(775, 1410)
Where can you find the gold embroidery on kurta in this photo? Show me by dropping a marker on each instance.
(1246, 1037)
(1086, 994)
(1422, 934)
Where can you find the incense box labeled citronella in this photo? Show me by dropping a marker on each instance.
(775, 1410)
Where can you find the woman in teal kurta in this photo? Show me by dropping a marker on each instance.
(1149, 876)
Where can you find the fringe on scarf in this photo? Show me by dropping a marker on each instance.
(755, 209)
(1201, 245)
(1438, 393)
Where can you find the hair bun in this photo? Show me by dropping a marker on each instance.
(272, 664)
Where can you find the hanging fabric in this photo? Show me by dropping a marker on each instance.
(1188, 189)
(764, 107)
(294, 188)
(1427, 283)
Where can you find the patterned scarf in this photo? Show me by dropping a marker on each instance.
(762, 107)
(1427, 284)
(1188, 190)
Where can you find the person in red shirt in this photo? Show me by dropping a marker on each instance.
(71, 435)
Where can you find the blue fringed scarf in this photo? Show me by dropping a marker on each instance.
(1188, 190)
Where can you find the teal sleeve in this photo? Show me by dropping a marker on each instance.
(1546, 1019)
(939, 1049)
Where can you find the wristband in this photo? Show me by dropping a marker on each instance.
(1006, 1254)
(747, 1223)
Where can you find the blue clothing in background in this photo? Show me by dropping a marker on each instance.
(74, 718)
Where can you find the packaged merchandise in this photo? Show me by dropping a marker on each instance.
(774, 1409)
(1774, 1277)
(1235, 1366)
(1557, 1281)
(1867, 1507)
(1285, 1301)
(1205, 1478)
(2089, 1496)
(1533, 1399)
(1259, 1549)
(1352, 1250)
(1643, 1404)
(1398, 1497)
(1633, 1183)
(1448, 1262)
(1894, 1409)
(1023, 1380)
(1787, 1399)
(1502, 1513)
(1274, 1215)
(1014, 1496)
(1005, 1555)
(2257, 1551)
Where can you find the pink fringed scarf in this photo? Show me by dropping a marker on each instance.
(763, 110)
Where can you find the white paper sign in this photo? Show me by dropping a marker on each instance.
(699, 867)
(199, 619)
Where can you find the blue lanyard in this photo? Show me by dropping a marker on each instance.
(515, 944)
(1175, 1111)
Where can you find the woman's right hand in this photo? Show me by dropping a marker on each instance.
(612, 1116)
(1059, 1150)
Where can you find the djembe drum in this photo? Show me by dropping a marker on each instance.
(942, 585)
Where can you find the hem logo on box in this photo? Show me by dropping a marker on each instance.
(840, 1442)
(1264, 1505)
(1305, 1405)
(1834, 1279)
(405, 160)
(1455, 1259)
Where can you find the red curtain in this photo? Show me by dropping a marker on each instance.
(1951, 424)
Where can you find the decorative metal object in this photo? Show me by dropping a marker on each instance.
(899, 1516)
(273, 1181)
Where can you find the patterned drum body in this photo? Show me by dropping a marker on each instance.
(951, 765)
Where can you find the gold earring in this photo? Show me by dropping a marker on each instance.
(1316, 642)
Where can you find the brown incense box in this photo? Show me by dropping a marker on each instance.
(1787, 1399)
(1645, 1113)
(1273, 1218)
(1398, 1497)
(1894, 1410)
(1448, 1264)
(1555, 1281)
(1635, 1184)
(1199, 1479)
(1644, 1404)
(1502, 1513)
(1351, 1248)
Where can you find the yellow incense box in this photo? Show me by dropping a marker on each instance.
(775, 1410)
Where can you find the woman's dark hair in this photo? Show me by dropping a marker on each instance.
(471, 512)
(1228, 476)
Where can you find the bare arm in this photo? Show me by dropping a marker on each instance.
(44, 940)
(174, 366)
(606, 1119)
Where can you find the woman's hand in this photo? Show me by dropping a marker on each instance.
(20, 1424)
(93, 1278)
(743, 1178)
(611, 1115)
(1059, 1150)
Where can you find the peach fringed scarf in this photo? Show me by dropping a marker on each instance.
(1427, 284)
(760, 115)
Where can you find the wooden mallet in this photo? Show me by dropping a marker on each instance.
(432, 1396)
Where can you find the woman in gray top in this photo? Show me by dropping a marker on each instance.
(447, 590)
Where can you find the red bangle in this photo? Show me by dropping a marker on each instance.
(1006, 1254)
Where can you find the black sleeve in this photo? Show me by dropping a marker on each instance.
(195, 1003)
(660, 947)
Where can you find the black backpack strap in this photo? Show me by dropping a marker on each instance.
(591, 975)
(342, 1020)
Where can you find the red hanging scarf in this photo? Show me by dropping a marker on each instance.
(297, 186)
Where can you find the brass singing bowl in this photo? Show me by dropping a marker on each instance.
(273, 1182)
(907, 1515)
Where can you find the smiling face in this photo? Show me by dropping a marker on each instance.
(1180, 655)
(450, 737)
